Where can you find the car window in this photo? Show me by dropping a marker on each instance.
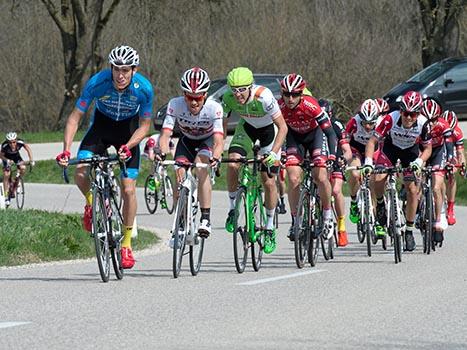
(458, 73)
(430, 73)
(271, 83)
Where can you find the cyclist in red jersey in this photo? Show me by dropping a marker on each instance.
(458, 141)
(306, 122)
(442, 150)
(403, 132)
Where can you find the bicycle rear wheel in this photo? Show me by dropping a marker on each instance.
(259, 218)
(301, 229)
(20, 193)
(197, 243)
(428, 218)
(180, 230)
(316, 229)
(100, 231)
(117, 189)
(151, 197)
(240, 234)
(168, 194)
(115, 243)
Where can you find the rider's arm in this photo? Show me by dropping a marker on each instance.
(426, 142)
(140, 133)
(2, 157)
(28, 151)
(218, 145)
(279, 121)
(370, 149)
(225, 121)
(71, 127)
(346, 151)
(325, 124)
(164, 140)
(218, 133)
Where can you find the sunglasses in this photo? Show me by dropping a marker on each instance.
(197, 98)
(368, 123)
(239, 90)
(291, 94)
(410, 114)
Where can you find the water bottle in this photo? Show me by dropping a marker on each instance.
(152, 184)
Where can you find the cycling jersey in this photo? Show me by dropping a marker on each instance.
(260, 109)
(441, 133)
(8, 152)
(356, 132)
(196, 127)
(458, 138)
(306, 116)
(391, 130)
(134, 100)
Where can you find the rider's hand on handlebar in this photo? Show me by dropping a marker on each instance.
(160, 156)
(124, 153)
(214, 162)
(270, 159)
(63, 158)
(416, 165)
(366, 169)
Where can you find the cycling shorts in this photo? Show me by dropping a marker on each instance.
(187, 149)
(298, 145)
(245, 137)
(438, 160)
(390, 154)
(105, 132)
(16, 159)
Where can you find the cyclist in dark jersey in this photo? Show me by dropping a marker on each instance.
(10, 154)
(121, 118)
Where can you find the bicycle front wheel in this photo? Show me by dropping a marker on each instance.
(301, 229)
(115, 225)
(151, 197)
(100, 231)
(428, 222)
(20, 193)
(240, 233)
(395, 231)
(180, 230)
(168, 194)
(197, 243)
(257, 244)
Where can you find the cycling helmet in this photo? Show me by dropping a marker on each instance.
(195, 81)
(124, 56)
(293, 83)
(451, 118)
(240, 76)
(411, 102)
(11, 136)
(383, 105)
(327, 106)
(369, 111)
(431, 109)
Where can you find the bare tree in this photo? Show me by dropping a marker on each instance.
(80, 24)
(440, 22)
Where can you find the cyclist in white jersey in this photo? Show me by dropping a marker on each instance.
(200, 122)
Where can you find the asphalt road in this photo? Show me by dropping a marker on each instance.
(352, 302)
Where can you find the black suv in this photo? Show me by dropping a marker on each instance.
(445, 80)
(217, 89)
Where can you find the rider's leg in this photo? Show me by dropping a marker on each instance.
(232, 179)
(129, 209)
(354, 184)
(270, 198)
(339, 205)
(294, 175)
(410, 212)
(83, 182)
(320, 176)
(451, 188)
(6, 176)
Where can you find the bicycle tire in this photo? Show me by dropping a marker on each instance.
(151, 197)
(326, 247)
(101, 235)
(395, 232)
(196, 247)
(181, 225)
(301, 229)
(316, 230)
(428, 242)
(366, 224)
(168, 194)
(260, 223)
(20, 193)
(240, 233)
(117, 189)
(116, 225)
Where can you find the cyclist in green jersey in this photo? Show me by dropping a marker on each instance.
(260, 114)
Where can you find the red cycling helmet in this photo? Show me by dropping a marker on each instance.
(451, 118)
(195, 81)
(293, 83)
(431, 109)
(383, 105)
(411, 102)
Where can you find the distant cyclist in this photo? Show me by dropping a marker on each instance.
(10, 154)
(121, 118)
(259, 115)
(152, 147)
(200, 122)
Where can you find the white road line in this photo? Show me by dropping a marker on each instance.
(283, 277)
(12, 324)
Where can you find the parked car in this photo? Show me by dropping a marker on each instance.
(445, 81)
(217, 89)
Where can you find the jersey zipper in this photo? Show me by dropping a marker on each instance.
(118, 106)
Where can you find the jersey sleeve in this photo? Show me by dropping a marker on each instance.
(218, 126)
(425, 136)
(383, 127)
(225, 105)
(88, 93)
(170, 118)
(351, 127)
(269, 103)
(145, 110)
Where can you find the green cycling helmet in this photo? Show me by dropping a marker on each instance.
(240, 76)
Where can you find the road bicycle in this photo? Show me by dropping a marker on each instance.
(16, 185)
(308, 230)
(426, 212)
(250, 213)
(187, 218)
(107, 221)
(158, 188)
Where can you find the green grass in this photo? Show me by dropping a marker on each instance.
(32, 236)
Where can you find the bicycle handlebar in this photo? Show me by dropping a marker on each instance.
(94, 160)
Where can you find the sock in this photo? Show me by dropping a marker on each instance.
(327, 213)
(450, 205)
(282, 200)
(89, 198)
(206, 214)
(380, 201)
(409, 226)
(294, 215)
(341, 223)
(126, 243)
(270, 216)
(232, 196)
(353, 199)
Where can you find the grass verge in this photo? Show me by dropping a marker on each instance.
(32, 236)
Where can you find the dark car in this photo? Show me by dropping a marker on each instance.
(217, 89)
(446, 81)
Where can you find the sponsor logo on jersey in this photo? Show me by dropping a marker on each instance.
(136, 85)
(105, 97)
(133, 98)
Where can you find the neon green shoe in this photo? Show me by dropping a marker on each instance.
(269, 241)
(354, 215)
(380, 231)
(229, 223)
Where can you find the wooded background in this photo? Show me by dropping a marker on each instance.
(348, 50)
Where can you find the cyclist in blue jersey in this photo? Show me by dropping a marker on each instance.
(121, 118)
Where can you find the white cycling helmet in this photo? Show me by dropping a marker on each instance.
(195, 81)
(124, 56)
(11, 136)
(369, 111)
